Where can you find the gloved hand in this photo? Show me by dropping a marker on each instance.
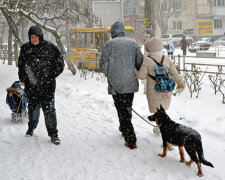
(180, 90)
(156, 130)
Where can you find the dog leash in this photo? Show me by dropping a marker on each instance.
(142, 118)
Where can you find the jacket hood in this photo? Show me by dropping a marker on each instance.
(117, 29)
(154, 44)
(36, 30)
(170, 42)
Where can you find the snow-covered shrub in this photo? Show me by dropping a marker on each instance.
(216, 82)
(193, 81)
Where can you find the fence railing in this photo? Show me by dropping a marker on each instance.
(190, 64)
(86, 60)
(4, 56)
(182, 63)
(218, 49)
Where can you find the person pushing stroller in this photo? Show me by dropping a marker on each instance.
(17, 101)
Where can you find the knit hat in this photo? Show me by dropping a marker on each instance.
(153, 44)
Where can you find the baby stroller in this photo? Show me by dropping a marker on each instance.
(17, 101)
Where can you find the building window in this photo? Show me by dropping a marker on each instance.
(141, 11)
(219, 2)
(134, 11)
(164, 6)
(177, 25)
(217, 23)
(177, 5)
(126, 12)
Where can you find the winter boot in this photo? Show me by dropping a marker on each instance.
(14, 117)
(55, 139)
(29, 132)
(131, 145)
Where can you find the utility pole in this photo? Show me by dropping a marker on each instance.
(149, 20)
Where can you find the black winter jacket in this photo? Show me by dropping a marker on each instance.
(39, 65)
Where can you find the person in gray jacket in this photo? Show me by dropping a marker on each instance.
(120, 56)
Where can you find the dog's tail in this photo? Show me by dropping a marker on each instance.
(202, 158)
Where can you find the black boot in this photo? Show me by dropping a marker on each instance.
(29, 131)
(131, 145)
(14, 116)
(55, 139)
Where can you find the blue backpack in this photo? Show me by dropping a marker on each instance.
(164, 82)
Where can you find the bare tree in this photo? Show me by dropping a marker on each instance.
(10, 48)
(50, 15)
(11, 24)
(164, 9)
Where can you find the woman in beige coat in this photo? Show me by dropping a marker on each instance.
(154, 48)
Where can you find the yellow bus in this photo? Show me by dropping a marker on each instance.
(86, 45)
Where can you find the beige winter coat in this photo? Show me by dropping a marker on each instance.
(156, 98)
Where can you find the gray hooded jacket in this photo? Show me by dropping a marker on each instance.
(120, 56)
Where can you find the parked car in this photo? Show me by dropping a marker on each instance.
(220, 41)
(202, 44)
(176, 38)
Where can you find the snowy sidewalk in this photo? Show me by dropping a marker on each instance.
(93, 148)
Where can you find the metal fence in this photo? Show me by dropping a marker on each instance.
(85, 60)
(4, 55)
(201, 64)
(204, 64)
(212, 65)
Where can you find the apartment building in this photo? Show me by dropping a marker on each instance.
(133, 13)
(197, 17)
(218, 13)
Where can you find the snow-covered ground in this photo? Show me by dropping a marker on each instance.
(91, 145)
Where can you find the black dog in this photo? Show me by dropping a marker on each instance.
(182, 136)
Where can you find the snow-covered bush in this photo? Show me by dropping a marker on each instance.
(193, 81)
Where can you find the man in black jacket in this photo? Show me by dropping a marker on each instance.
(40, 62)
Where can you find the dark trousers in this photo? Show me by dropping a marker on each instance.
(123, 104)
(184, 52)
(48, 107)
(17, 106)
(170, 53)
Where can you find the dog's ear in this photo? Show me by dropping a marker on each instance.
(158, 109)
(161, 108)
